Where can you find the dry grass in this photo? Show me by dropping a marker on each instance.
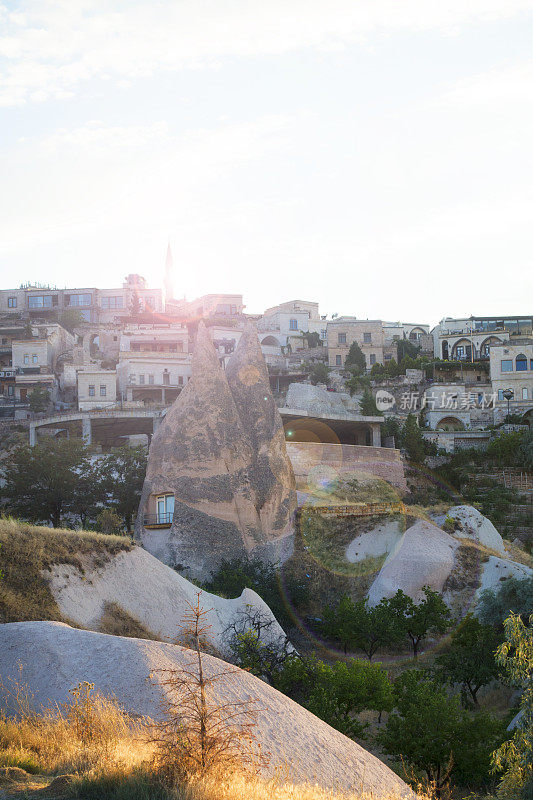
(90, 732)
(28, 551)
(116, 621)
(108, 756)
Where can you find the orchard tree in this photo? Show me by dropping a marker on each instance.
(432, 733)
(469, 658)
(337, 693)
(418, 620)
(355, 360)
(360, 626)
(45, 481)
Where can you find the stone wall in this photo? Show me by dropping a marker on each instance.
(345, 458)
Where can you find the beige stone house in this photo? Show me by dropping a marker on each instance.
(97, 388)
(368, 334)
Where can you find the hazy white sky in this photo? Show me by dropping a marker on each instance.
(375, 155)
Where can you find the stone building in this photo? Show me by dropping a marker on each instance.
(95, 305)
(368, 334)
(511, 367)
(97, 388)
(470, 338)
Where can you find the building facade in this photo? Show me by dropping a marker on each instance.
(97, 388)
(511, 368)
(470, 338)
(95, 305)
(154, 363)
(369, 335)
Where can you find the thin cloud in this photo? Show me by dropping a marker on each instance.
(50, 48)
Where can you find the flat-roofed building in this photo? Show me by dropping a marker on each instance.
(97, 388)
(94, 305)
(368, 334)
(154, 362)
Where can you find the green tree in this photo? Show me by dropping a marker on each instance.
(512, 596)
(71, 318)
(413, 441)
(319, 373)
(378, 370)
(337, 693)
(135, 305)
(432, 733)
(357, 383)
(311, 339)
(360, 626)
(275, 585)
(393, 368)
(515, 757)
(123, 471)
(407, 349)
(505, 448)
(355, 360)
(431, 616)
(108, 521)
(43, 482)
(525, 451)
(39, 399)
(368, 406)
(469, 658)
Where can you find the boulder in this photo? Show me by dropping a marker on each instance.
(424, 556)
(271, 475)
(203, 456)
(55, 657)
(317, 400)
(152, 593)
(473, 525)
(496, 570)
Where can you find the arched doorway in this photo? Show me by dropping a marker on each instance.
(449, 424)
(486, 344)
(462, 350)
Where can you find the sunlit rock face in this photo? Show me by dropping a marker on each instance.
(270, 475)
(208, 458)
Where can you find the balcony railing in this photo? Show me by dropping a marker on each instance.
(162, 520)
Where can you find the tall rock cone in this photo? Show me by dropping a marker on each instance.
(200, 461)
(271, 475)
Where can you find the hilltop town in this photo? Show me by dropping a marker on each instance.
(85, 350)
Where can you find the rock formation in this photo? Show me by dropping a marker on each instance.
(233, 489)
(150, 592)
(301, 747)
(471, 524)
(270, 475)
(424, 556)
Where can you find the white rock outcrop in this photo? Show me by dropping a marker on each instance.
(317, 400)
(473, 525)
(424, 556)
(496, 570)
(149, 591)
(56, 657)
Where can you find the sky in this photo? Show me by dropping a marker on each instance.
(373, 155)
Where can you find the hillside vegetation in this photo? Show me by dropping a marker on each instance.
(28, 551)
